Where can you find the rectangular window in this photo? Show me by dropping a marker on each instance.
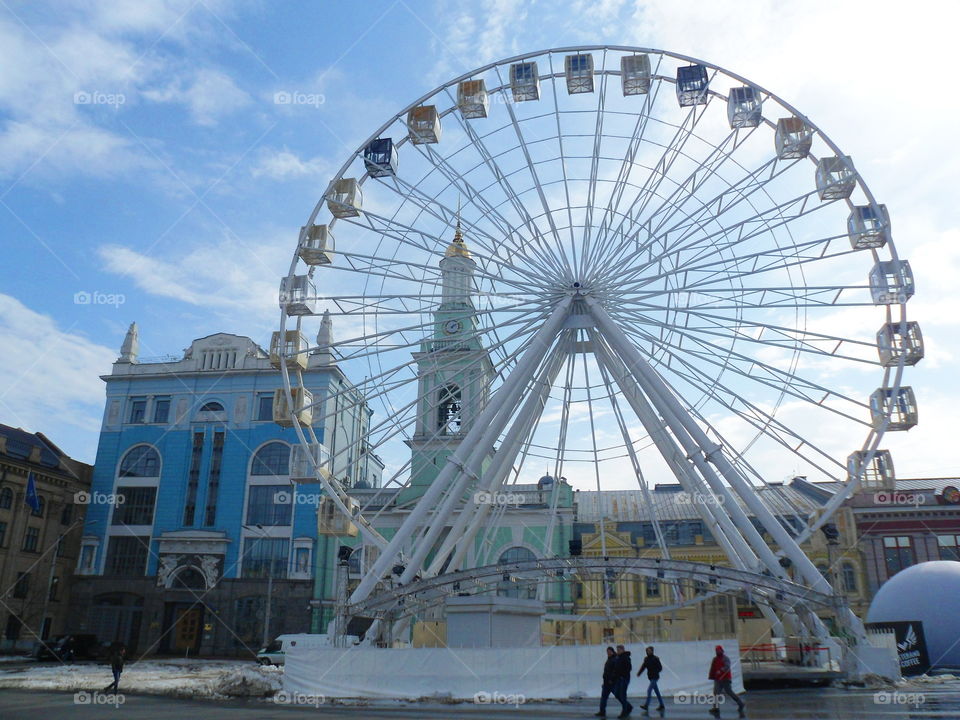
(213, 482)
(127, 556)
(193, 479)
(14, 624)
(653, 587)
(66, 515)
(301, 560)
(21, 588)
(87, 554)
(54, 587)
(137, 506)
(3, 533)
(161, 409)
(31, 538)
(265, 407)
(138, 410)
(949, 547)
(898, 553)
(269, 505)
(265, 557)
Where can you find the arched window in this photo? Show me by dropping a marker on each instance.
(212, 406)
(189, 578)
(449, 410)
(6, 498)
(512, 588)
(849, 578)
(140, 461)
(272, 459)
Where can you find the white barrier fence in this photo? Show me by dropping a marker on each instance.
(555, 672)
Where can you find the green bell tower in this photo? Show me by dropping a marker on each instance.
(453, 368)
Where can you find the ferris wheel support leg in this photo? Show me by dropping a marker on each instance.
(720, 525)
(485, 429)
(661, 396)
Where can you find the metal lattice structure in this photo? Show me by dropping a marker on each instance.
(663, 270)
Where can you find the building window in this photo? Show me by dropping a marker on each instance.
(161, 409)
(949, 547)
(898, 553)
(212, 406)
(265, 407)
(137, 506)
(54, 587)
(14, 624)
(653, 587)
(193, 479)
(449, 410)
(127, 555)
(849, 578)
(88, 553)
(3, 533)
(272, 459)
(140, 461)
(138, 410)
(6, 498)
(21, 588)
(31, 538)
(66, 515)
(265, 557)
(38, 511)
(213, 481)
(264, 506)
(301, 560)
(578, 591)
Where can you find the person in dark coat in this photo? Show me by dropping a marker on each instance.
(722, 677)
(118, 655)
(624, 669)
(653, 666)
(609, 680)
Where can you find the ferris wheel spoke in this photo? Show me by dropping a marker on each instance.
(563, 168)
(587, 236)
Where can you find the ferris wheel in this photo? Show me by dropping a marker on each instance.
(622, 265)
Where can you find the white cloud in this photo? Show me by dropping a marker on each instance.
(209, 96)
(284, 165)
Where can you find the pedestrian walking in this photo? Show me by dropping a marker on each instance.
(653, 666)
(624, 668)
(722, 678)
(609, 680)
(117, 656)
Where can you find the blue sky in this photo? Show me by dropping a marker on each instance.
(144, 157)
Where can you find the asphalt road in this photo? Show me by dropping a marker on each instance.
(792, 704)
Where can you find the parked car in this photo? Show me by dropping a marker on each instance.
(275, 652)
(70, 647)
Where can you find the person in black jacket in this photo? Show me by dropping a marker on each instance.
(609, 680)
(118, 655)
(624, 669)
(653, 666)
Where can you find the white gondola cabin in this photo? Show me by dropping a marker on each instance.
(836, 177)
(900, 407)
(305, 459)
(423, 125)
(346, 198)
(635, 74)
(283, 414)
(332, 521)
(793, 138)
(380, 158)
(692, 84)
(291, 349)
(298, 295)
(472, 99)
(316, 245)
(891, 282)
(524, 81)
(877, 474)
(897, 340)
(744, 107)
(579, 72)
(868, 227)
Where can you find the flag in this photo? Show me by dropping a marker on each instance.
(31, 498)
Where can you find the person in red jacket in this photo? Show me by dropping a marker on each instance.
(722, 678)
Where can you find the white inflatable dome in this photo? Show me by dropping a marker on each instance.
(929, 592)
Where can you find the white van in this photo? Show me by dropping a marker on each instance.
(275, 652)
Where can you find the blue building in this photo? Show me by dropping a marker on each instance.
(192, 513)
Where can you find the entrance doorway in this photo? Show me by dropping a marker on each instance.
(183, 628)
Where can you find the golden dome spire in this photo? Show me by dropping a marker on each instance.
(457, 248)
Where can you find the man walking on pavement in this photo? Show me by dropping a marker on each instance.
(609, 680)
(623, 669)
(722, 678)
(653, 666)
